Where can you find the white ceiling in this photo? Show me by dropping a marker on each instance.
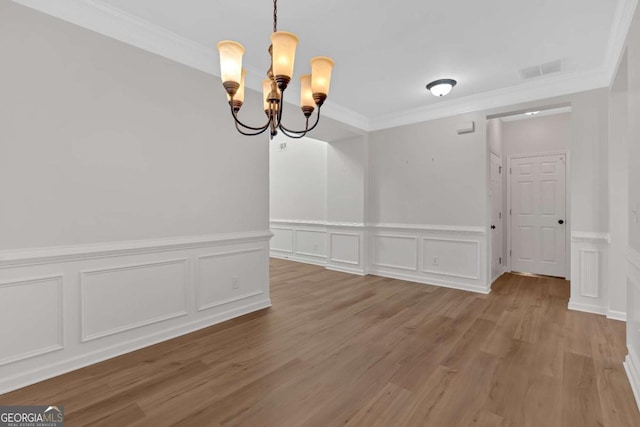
(387, 51)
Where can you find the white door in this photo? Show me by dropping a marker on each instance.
(496, 216)
(538, 222)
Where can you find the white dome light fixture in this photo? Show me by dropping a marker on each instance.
(441, 87)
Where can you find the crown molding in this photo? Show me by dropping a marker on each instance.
(549, 87)
(117, 24)
(618, 37)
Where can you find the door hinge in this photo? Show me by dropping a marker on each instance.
(499, 215)
(499, 169)
(500, 260)
(510, 171)
(510, 252)
(509, 211)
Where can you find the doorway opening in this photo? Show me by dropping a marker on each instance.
(528, 176)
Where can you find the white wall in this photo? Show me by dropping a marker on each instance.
(317, 202)
(618, 190)
(298, 179)
(427, 204)
(426, 173)
(589, 161)
(494, 136)
(632, 363)
(131, 210)
(346, 169)
(537, 134)
(105, 142)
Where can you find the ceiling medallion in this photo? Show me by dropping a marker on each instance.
(314, 86)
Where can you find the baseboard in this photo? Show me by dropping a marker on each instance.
(596, 309)
(430, 281)
(320, 263)
(23, 379)
(349, 270)
(290, 257)
(632, 368)
(587, 308)
(617, 315)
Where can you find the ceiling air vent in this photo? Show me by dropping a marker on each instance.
(551, 67)
(541, 70)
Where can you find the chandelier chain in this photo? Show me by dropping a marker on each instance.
(275, 16)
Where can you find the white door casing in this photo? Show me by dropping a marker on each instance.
(538, 214)
(496, 216)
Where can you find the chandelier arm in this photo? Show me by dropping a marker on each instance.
(281, 109)
(307, 128)
(284, 129)
(249, 133)
(293, 136)
(239, 122)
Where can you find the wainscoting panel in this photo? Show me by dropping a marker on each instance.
(439, 255)
(306, 241)
(347, 248)
(447, 256)
(589, 252)
(344, 248)
(394, 251)
(337, 246)
(225, 277)
(632, 361)
(311, 243)
(67, 307)
(30, 318)
(121, 298)
(451, 257)
(282, 240)
(589, 278)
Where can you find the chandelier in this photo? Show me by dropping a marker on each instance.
(314, 86)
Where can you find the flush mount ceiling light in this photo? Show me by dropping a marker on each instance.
(532, 113)
(314, 86)
(441, 87)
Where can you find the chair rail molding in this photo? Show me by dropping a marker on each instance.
(122, 296)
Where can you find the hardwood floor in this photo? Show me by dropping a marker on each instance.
(337, 349)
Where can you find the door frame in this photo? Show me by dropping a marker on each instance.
(567, 207)
(503, 267)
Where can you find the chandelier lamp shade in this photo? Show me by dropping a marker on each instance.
(314, 87)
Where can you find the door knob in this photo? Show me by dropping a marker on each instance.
(493, 227)
(561, 221)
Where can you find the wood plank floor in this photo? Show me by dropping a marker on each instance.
(337, 349)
